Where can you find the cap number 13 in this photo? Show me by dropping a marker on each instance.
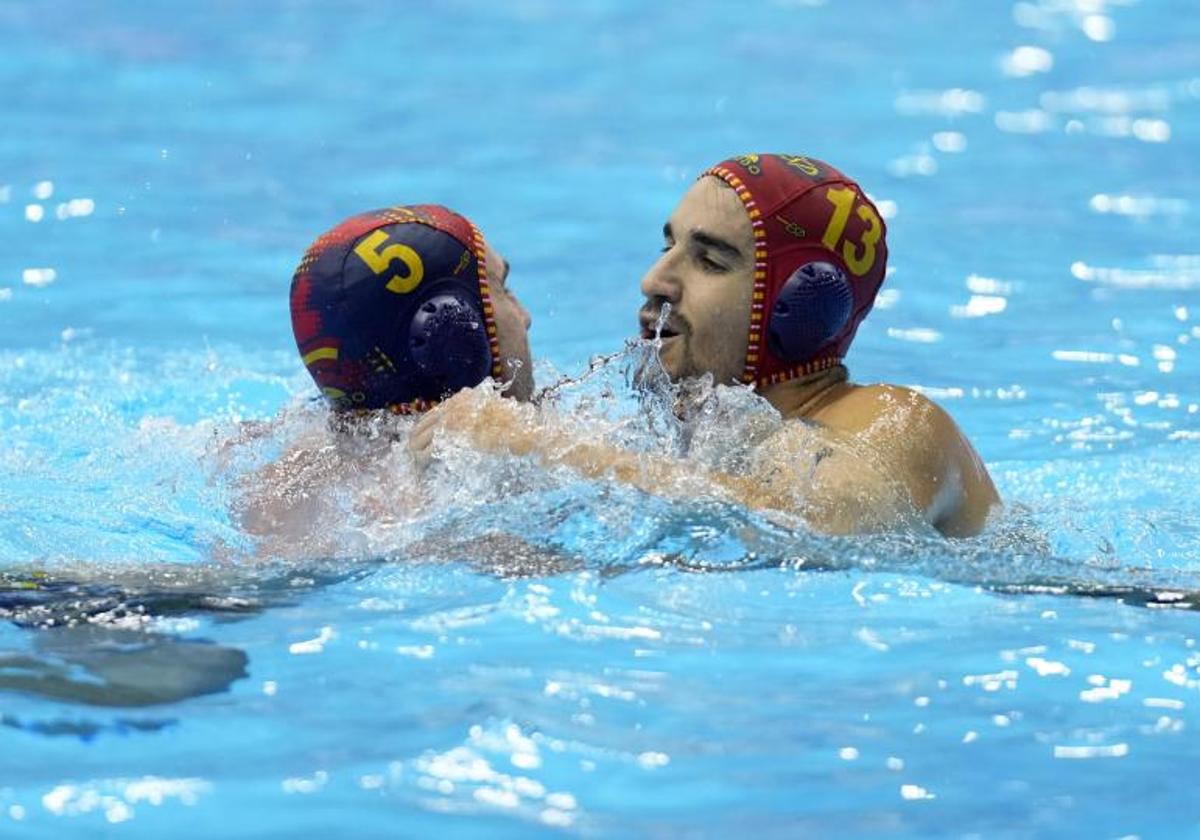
(859, 256)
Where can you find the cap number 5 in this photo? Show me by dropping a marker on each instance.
(379, 260)
(859, 258)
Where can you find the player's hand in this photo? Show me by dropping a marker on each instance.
(483, 418)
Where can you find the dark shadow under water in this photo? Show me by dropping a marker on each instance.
(95, 638)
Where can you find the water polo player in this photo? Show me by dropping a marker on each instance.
(770, 264)
(392, 310)
(397, 308)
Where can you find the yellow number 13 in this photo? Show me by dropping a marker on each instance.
(859, 258)
(379, 259)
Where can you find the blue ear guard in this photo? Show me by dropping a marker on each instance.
(813, 306)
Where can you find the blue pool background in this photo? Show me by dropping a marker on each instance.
(1037, 162)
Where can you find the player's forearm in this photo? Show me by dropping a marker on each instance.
(836, 493)
(644, 471)
(822, 508)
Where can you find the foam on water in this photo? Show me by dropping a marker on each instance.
(176, 491)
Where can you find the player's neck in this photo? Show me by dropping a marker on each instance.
(804, 396)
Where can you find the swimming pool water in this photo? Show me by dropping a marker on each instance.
(662, 669)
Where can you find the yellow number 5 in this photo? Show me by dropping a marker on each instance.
(842, 199)
(380, 260)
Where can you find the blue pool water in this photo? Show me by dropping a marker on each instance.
(659, 669)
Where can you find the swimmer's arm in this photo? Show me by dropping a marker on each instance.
(833, 492)
(285, 504)
(502, 425)
(264, 500)
(495, 553)
(265, 505)
(839, 496)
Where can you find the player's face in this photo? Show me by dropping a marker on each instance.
(512, 330)
(706, 274)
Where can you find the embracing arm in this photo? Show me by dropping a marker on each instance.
(282, 498)
(495, 424)
(800, 470)
(295, 507)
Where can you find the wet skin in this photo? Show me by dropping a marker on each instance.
(706, 274)
(866, 458)
(512, 329)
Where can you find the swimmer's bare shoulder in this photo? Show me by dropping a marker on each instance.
(915, 442)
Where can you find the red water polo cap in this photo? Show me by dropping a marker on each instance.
(820, 256)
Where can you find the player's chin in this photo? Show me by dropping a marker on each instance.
(518, 381)
(674, 357)
(659, 366)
